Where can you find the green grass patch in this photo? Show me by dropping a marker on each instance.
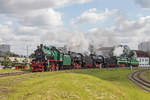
(87, 84)
(147, 75)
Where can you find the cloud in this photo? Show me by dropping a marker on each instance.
(101, 37)
(35, 12)
(15, 6)
(92, 16)
(31, 22)
(127, 32)
(43, 17)
(124, 32)
(143, 3)
(78, 43)
(18, 38)
(75, 41)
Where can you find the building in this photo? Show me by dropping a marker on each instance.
(105, 51)
(142, 57)
(144, 46)
(4, 49)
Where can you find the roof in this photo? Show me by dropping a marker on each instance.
(141, 53)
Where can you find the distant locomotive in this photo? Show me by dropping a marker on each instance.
(76, 60)
(93, 61)
(98, 60)
(121, 62)
(121, 56)
(110, 62)
(126, 62)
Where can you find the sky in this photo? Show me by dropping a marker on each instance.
(74, 23)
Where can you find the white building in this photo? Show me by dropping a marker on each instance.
(142, 57)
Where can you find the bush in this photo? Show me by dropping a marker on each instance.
(6, 62)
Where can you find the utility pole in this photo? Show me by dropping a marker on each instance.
(27, 51)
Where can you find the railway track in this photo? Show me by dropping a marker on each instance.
(13, 74)
(136, 77)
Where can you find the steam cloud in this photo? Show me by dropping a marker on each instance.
(118, 51)
(78, 43)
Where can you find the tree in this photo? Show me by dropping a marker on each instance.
(131, 54)
(31, 55)
(6, 62)
(15, 62)
(25, 61)
(11, 54)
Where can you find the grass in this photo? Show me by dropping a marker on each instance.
(147, 75)
(88, 84)
(9, 70)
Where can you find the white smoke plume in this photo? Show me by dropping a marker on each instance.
(78, 43)
(102, 38)
(118, 51)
